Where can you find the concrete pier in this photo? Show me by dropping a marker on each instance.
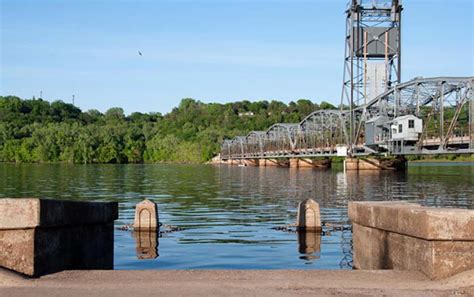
(277, 162)
(40, 236)
(233, 162)
(146, 216)
(308, 217)
(371, 163)
(251, 162)
(310, 163)
(439, 242)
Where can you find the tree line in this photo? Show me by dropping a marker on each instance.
(36, 130)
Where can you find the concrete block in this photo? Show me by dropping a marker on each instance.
(406, 236)
(251, 162)
(379, 249)
(146, 216)
(309, 163)
(271, 162)
(277, 162)
(374, 164)
(39, 236)
(358, 164)
(34, 212)
(321, 163)
(17, 250)
(40, 251)
(294, 162)
(308, 217)
(414, 220)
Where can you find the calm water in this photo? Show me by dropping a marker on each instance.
(228, 212)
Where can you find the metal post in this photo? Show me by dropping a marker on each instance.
(470, 98)
(417, 95)
(399, 54)
(441, 112)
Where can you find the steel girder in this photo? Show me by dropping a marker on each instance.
(445, 104)
(255, 143)
(280, 138)
(322, 131)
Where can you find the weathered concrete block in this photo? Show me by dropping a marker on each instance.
(17, 250)
(374, 164)
(309, 163)
(414, 220)
(405, 236)
(308, 217)
(34, 212)
(379, 249)
(44, 236)
(146, 216)
(233, 162)
(294, 162)
(357, 164)
(314, 163)
(251, 162)
(277, 162)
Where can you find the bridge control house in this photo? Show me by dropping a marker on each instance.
(406, 128)
(379, 130)
(405, 132)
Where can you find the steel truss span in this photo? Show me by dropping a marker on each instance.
(421, 116)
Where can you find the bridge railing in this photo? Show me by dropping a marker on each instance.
(445, 105)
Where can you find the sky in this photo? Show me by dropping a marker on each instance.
(209, 50)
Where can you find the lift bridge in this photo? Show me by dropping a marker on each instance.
(378, 114)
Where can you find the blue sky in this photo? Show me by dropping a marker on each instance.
(213, 51)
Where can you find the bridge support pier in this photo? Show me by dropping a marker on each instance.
(277, 162)
(374, 163)
(310, 163)
(233, 162)
(294, 162)
(251, 162)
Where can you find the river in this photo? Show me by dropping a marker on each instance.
(228, 213)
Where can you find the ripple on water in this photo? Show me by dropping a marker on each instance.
(228, 212)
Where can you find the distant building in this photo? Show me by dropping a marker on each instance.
(377, 130)
(406, 128)
(246, 114)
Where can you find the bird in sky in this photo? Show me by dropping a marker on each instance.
(140, 53)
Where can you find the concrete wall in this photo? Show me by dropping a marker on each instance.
(277, 162)
(39, 236)
(251, 162)
(404, 236)
(310, 163)
(374, 164)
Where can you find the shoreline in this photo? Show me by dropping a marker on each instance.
(441, 161)
(337, 161)
(270, 283)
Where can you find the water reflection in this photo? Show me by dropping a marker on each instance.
(309, 243)
(146, 244)
(228, 212)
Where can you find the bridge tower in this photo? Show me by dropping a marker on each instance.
(372, 62)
